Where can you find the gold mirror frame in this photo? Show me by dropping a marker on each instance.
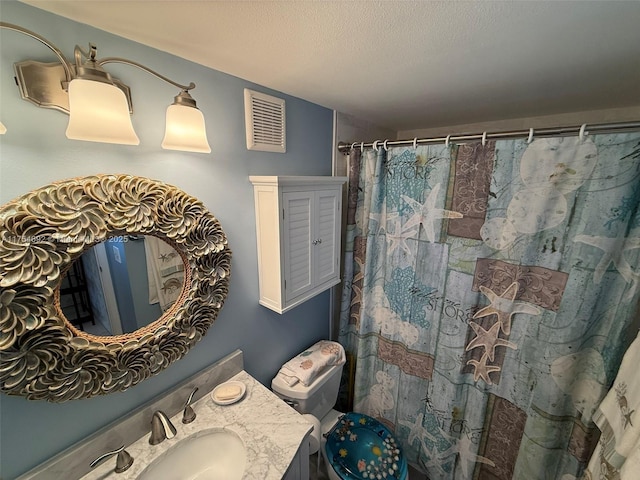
(42, 356)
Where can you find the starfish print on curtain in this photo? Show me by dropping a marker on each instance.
(426, 214)
(505, 306)
(432, 461)
(417, 431)
(464, 449)
(482, 370)
(613, 252)
(399, 237)
(488, 339)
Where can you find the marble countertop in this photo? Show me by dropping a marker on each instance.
(271, 431)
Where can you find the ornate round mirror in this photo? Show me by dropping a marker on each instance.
(43, 236)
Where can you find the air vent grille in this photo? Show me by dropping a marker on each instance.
(265, 122)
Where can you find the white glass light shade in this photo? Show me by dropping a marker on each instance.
(3, 129)
(99, 112)
(185, 130)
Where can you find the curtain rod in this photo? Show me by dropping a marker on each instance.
(532, 133)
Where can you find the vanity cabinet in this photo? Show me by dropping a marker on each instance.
(299, 467)
(298, 223)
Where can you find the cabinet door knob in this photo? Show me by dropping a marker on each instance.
(319, 240)
(315, 242)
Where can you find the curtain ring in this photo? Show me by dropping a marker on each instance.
(415, 143)
(530, 139)
(352, 145)
(384, 145)
(484, 138)
(375, 145)
(446, 141)
(582, 132)
(361, 147)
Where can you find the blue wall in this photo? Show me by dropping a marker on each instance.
(35, 152)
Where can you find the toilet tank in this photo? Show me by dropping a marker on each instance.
(318, 398)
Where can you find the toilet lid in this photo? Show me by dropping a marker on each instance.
(359, 447)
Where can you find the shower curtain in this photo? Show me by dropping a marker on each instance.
(488, 294)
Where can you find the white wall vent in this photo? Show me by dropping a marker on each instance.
(265, 122)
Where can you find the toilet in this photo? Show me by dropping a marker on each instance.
(353, 445)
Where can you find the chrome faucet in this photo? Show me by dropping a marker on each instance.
(123, 462)
(161, 428)
(189, 415)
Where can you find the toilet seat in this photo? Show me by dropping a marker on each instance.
(359, 447)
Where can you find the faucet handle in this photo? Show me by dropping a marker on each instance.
(189, 415)
(123, 461)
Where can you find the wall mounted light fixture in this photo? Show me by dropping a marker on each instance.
(99, 106)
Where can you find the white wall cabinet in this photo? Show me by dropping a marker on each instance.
(298, 232)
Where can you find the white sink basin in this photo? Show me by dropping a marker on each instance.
(206, 455)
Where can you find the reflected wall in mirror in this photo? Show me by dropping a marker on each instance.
(121, 285)
(44, 233)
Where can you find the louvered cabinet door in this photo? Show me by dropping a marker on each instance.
(326, 236)
(297, 236)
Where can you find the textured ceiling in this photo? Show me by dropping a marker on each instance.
(400, 64)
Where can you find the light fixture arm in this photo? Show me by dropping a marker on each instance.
(65, 63)
(78, 52)
(124, 61)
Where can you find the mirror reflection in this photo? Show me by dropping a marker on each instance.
(121, 285)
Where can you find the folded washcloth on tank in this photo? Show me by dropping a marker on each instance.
(306, 366)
